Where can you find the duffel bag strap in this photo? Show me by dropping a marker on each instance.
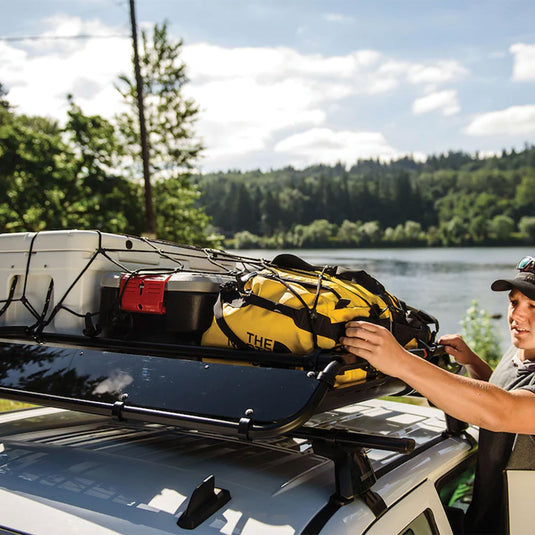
(224, 326)
(415, 324)
(231, 295)
(291, 261)
(363, 279)
(304, 318)
(360, 277)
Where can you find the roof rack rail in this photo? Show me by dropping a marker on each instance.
(248, 394)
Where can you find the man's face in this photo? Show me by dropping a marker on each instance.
(521, 316)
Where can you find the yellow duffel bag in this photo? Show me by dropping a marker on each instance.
(292, 307)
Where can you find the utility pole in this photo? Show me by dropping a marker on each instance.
(150, 221)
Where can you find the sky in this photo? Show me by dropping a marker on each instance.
(296, 82)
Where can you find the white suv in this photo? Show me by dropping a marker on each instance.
(70, 472)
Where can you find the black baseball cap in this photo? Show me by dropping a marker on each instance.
(524, 280)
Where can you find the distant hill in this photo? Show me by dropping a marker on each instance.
(450, 199)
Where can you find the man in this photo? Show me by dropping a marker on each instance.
(501, 403)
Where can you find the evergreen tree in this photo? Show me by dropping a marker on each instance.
(3, 102)
(170, 119)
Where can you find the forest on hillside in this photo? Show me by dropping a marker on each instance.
(453, 199)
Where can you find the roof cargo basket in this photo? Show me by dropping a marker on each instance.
(250, 394)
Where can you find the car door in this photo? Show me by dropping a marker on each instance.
(419, 512)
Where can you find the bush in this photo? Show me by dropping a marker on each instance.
(527, 227)
(480, 334)
(246, 240)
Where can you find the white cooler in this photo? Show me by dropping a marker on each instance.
(69, 259)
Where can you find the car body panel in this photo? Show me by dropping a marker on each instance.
(103, 476)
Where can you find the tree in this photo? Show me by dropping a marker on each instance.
(177, 218)
(348, 233)
(478, 227)
(502, 226)
(370, 233)
(453, 232)
(480, 334)
(246, 240)
(525, 191)
(3, 102)
(318, 234)
(170, 118)
(527, 227)
(105, 200)
(36, 174)
(413, 231)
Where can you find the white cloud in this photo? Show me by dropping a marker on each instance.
(210, 61)
(438, 73)
(41, 73)
(513, 121)
(444, 101)
(524, 61)
(338, 18)
(249, 97)
(329, 147)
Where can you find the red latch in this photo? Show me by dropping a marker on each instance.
(143, 293)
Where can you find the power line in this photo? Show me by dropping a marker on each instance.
(54, 37)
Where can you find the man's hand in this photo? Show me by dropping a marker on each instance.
(376, 344)
(461, 352)
(458, 348)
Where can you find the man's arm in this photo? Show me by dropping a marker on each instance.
(471, 400)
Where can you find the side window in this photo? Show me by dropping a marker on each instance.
(455, 488)
(423, 524)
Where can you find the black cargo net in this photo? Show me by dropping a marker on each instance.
(40, 313)
(405, 322)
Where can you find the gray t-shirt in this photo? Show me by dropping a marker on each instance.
(487, 513)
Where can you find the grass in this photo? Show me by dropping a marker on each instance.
(411, 400)
(8, 405)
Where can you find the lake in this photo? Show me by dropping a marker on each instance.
(441, 281)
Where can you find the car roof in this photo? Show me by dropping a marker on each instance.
(96, 475)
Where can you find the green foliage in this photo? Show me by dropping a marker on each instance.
(36, 174)
(527, 227)
(247, 240)
(85, 175)
(480, 333)
(502, 226)
(177, 219)
(450, 200)
(3, 102)
(409, 234)
(348, 233)
(106, 200)
(525, 191)
(169, 115)
(55, 178)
